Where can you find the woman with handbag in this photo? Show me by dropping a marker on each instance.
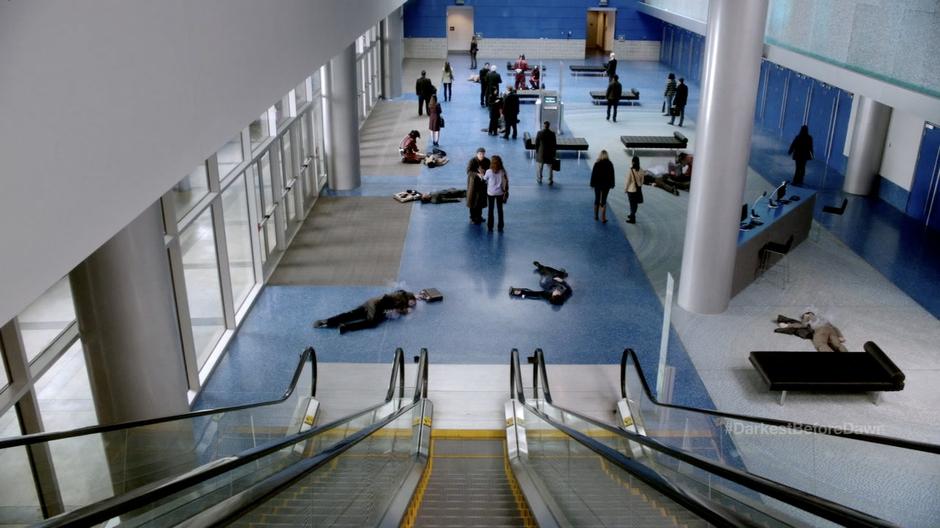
(497, 191)
(634, 189)
(435, 119)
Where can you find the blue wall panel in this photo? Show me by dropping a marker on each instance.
(795, 109)
(822, 106)
(761, 87)
(698, 58)
(773, 101)
(925, 171)
(843, 110)
(553, 19)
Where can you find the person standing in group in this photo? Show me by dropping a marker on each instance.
(520, 79)
(602, 180)
(435, 119)
(494, 79)
(669, 93)
(497, 190)
(511, 113)
(474, 48)
(521, 64)
(634, 189)
(614, 91)
(495, 104)
(535, 81)
(484, 89)
(679, 102)
(802, 151)
(447, 80)
(546, 145)
(424, 89)
(476, 187)
(611, 67)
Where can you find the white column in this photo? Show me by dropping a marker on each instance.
(123, 296)
(868, 143)
(343, 122)
(733, 46)
(394, 53)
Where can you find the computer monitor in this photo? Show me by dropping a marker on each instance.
(781, 192)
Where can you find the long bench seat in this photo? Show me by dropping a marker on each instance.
(675, 141)
(600, 96)
(846, 372)
(578, 144)
(587, 69)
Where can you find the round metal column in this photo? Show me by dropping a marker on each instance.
(123, 296)
(733, 47)
(868, 143)
(394, 52)
(343, 122)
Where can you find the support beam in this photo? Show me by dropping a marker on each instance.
(868, 144)
(343, 122)
(394, 44)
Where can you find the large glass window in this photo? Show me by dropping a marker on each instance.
(203, 290)
(287, 175)
(18, 499)
(238, 239)
(230, 155)
(64, 393)
(300, 94)
(281, 112)
(4, 379)
(190, 190)
(267, 186)
(259, 131)
(46, 318)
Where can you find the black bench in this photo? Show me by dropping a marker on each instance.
(587, 69)
(528, 96)
(868, 371)
(563, 143)
(631, 97)
(675, 141)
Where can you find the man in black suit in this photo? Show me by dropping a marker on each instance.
(611, 67)
(424, 89)
(679, 102)
(545, 147)
(493, 79)
(511, 112)
(483, 88)
(614, 91)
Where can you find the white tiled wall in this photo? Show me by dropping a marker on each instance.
(637, 49)
(425, 48)
(533, 49)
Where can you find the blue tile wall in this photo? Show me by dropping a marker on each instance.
(892, 193)
(528, 19)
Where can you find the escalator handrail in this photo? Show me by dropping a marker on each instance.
(421, 377)
(805, 501)
(109, 508)
(398, 372)
(516, 390)
(25, 440)
(540, 365)
(914, 445)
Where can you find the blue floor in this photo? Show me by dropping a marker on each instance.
(613, 306)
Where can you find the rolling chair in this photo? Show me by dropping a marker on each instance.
(775, 248)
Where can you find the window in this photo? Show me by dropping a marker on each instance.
(300, 93)
(203, 290)
(18, 495)
(4, 379)
(191, 189)
(46, 318)
(238, 239)
(64, 393)
(229, 156)
(259, 131)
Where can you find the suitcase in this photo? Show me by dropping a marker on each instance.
(432, 295)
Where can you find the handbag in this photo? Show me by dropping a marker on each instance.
(639, 195)
(674, 111)
(505, 189)
(442, 121)
(556, 164)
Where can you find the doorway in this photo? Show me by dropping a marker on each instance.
(924, 200)
(599, 32)
(459, 28)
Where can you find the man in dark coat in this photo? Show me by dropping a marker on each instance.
(802, 151)
(511, 112)
(546, 145)
(370, 313)
(476, 187)
(424, 89)
(484, 72)
(679, 102)
(614, 91)
(494, 79)
(555, 287)
(495, 103)
(611, 67)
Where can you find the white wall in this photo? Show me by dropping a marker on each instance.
(901, 147)
(106, 104)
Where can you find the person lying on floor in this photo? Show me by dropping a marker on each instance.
(370, 313)
(451, 195)
(826, 337)
(555, 288)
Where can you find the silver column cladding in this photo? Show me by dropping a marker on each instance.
(123, 296)
(394, 53)
(868, 143)
(733, 46)
(343, 122)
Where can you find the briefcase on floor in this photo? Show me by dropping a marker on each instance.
(556, 164)
(432, 295)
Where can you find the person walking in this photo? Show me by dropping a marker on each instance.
(614, 91)
(669, 93)
(611, 67)
(495, 104)
(447, 80)
(634, 189)
(497, 190)
(679, 102)
(546, 145)
(435, 119)
(511, 113)
(484, 91)
(474, 48)
(602, 180)
(476, 187)
(424, 89)
(801, 149)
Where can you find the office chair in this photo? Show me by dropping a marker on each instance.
(775, 248)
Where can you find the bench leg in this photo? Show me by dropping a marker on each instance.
(783, 396)
(875, 397)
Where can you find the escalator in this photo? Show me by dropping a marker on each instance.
(549, 467)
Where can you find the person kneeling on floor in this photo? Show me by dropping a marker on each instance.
(370, 313)
(409, 148)
(555, 288)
